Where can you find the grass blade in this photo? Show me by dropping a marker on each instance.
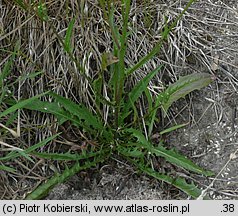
(20, 104)
(23, 154)
(22, 4)
(168, 130)
(157, 48)
(7, 67)
(28, 76)
(119, 74)
(67, 42)
(15, 154)
(65, 156)
(137, 91)
(6, 168)
(42, 11)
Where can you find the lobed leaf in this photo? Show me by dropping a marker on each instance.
(49, 107)
(184, 86)
(178, 90)
(170, 155)
(45, 188)
(76, 113)
(134, 151)
(179, 160)
(180, 183)
(85, 117)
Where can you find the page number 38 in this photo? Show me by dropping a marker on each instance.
(228, 208)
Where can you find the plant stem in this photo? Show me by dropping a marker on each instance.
(121, 63)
